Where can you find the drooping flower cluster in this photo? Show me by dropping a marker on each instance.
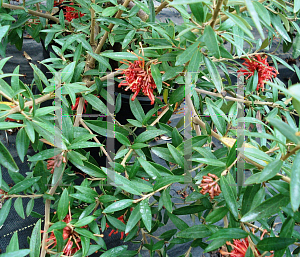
(55, 161)
(264, 71)
(210, 185)
(69, 234)
(137, 77)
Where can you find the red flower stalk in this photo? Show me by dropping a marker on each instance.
(138, 77)
(210, 185)
(240, 247)
(74, 107)
(55, 161)
(264, 70)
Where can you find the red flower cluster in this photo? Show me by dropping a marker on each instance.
(264, 70)
(210, 185)
(70, 13)
(67, 234)
(121, 218)
(55, 161)
(138, 77)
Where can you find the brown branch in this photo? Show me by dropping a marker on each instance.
(216, 13)
(162, 6)
(35, 13)
(30, 103)
(141, 14)
(289, 153)
(91, 63)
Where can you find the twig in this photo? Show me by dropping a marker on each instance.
(192, 108)
(151, 194)
(143, 16)
(289, 153)
(95, 138)
(79, 111)
(30, 103)
(21, 196)
(9, 99)
(216, 13)
(162, 6)
(35, 13)
(92, 37)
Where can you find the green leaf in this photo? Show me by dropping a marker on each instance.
(211, 42)
(148, 135)
(86, 191)
(255, 17)
(146, 214)
(295, 183)
(229, 197)
(40, 74)
(274, 243)
(3, 31)
(44, 155)
(216, 215)
(284, 129)
(123, 183)
(29, 207)
(22, 143)
(84, 198)
(13, 244)
(181, 2)
(35, 240)
(155, 72)
(179, 223)
(214, 74)
(136, 109)
(134, 218)
(296, 6)
(208, 161)
(267, 173)
(149, 169)
(6, 160)
(240, 22)
(23, 185)
(100, 59)
(198, 231)
(83, 144)
(116, 251)
(169, 180)
(90, 169)
(187, 54)
(4, 211)
(130, 35)
(229, 233)
(267, 208)
(10, 125)
(63, 205)
(179, 159)
(122, 56)
(96, 103)
(166, 200)
(67, 72)
(19, 253)
(84, 221)
(177, 95)
(19, 207)
(57, 225)
(117, 206)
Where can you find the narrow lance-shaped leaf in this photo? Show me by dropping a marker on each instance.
(6, 160)
(295, 183)
(35, 240)
(63, 205)
(229, 197)
(214, 74)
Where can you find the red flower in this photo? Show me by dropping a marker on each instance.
(210, 185)
(74, 107)
(55, 161)
(240, 247)
(264, 70)
(68, 233)
(70, 13)
(138, 77)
